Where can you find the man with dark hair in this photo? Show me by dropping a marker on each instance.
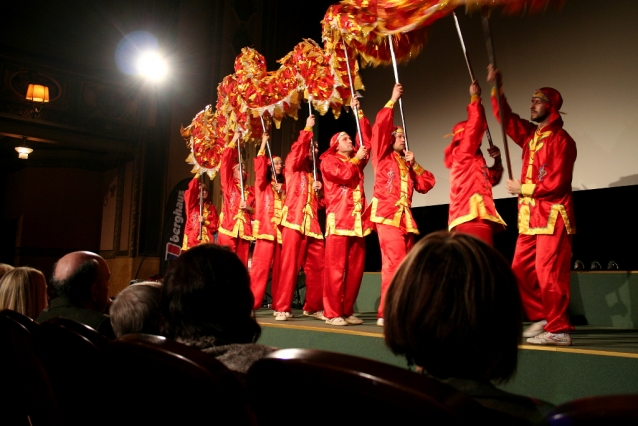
(545, 212)
(80, 291)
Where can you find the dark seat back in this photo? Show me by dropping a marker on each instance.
(166, 382)
(322, 387)
(597, 410)
(72, 355)
(25, 391)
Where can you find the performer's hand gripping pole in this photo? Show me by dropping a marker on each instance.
(272, 163)
(490, 53)
(469, 68)
(390, 41)
(356, 110)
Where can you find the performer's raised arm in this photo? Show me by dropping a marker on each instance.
(229, 157)
(382, 135)
(296, 159)
(261, 165)
(366, 132)
(515, 127)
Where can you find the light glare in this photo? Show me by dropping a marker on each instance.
(152, 66)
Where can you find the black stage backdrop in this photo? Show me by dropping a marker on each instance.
(606, 224)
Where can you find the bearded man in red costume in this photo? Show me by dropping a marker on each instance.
(472, 209)
(235, 229)
(545, 213)
(302, 240)
(397, 175)
(346, 223)
(207, 222)
(269, 197)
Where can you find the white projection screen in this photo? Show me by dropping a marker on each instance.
(588, 51)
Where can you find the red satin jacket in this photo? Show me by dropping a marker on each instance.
(302, 203)
(470, 179)
(234, 222)
(395, 179)
(209, 212)
(549, 155)
(343, 189)
(268, 202)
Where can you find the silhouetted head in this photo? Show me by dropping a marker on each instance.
(207, 292)
(453, 308)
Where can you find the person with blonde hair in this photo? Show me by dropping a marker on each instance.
(24, 290)
(4, 268)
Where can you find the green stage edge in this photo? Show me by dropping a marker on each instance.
(598, 299)
(550, 375)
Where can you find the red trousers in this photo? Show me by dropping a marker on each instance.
(542, 266)
(395, 245)
(343, 271)
(237, 245)
(265, 254)
(478, 228)
(297, 250)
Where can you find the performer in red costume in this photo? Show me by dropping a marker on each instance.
(545, 213)
(207, 221)
(397, 175)
(269, 196)
(235, 229)
(472, 209)
(346, 224)
(301, 234)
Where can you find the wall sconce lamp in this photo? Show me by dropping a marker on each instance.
(38, 95)
(24, 150)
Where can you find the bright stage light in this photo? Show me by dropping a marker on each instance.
(152, 66)
(138, 53)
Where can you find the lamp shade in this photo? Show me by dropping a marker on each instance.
(23, 152)
(37, 93)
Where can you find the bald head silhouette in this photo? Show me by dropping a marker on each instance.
(82, 276)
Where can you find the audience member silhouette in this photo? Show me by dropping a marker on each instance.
(24, 290)
(454, 311)
(80, 291)
(136, 309)
(206, 302)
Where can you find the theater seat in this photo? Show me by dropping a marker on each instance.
(160, 381)
(72, 355)
(318, 387)
(26, 396)
(24, 320)
(597, 410)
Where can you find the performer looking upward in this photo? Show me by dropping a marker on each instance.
(397, 175)
(302, 240)
(346, 224)
(472, 209)
(235, 229)
(207, 222)
(545, 213)
(269, 196)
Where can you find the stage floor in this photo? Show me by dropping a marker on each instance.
(585, 339)
(601, 361)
